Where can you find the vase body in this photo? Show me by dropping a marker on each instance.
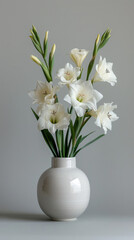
(63, 190)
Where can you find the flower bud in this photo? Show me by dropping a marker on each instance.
(31, 37)
(78, 56)
(53, 50)
(46, 36)
(34, 28)
(97, 39)
(36, 60)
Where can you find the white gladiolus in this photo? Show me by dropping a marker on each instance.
(82, 96)
(44, 93)
(104, 72)
(68, 74)
(53, 117)
(105, 116)
(78, 56)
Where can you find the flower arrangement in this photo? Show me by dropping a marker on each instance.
(62, 129)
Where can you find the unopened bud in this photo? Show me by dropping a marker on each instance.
(31, 37)
(34, 28)
(36, 60)
(97, 39)
(46, 36)
(53, 50)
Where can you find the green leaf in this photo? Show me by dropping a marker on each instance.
(63, 144)
(50, 141)
(87, 135)
(48, 138)
(70, 110)
(77, 125)
(35, 114)
(88, 144)
(66, 143)
(77, 143)
(59, 141)
(72, 132)
(84, 122)
(81, 139)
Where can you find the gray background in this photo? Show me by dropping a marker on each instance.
(109, 163)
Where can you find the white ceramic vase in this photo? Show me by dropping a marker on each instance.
(63, 190)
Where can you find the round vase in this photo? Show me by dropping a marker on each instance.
(63, 190)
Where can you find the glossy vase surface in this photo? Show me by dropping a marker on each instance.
(63, 190)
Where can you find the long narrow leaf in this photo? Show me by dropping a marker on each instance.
(68, 148)
(63, 144)
(35, 114)
(83, 123)
(59, 142)
(87, 135)
(88, 144)
(66, 142)
(80, 140)
(77, 143)
(48, 137)
(72, 132)
(80, 121)
(48, 142)
(51, 140)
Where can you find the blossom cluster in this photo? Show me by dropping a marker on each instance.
(81, 95)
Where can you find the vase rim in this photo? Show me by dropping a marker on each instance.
(64, 158)
(63, 162)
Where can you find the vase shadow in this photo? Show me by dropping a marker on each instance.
(25, 216)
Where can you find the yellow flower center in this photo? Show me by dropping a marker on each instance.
(80, 97)
(53, 118)
(68, 75)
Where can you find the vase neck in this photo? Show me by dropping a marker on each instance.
(63, 162)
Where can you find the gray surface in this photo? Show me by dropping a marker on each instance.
(34, 226)
(109, 163)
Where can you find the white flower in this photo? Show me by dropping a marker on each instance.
(105, 116)
(68, 74)
(78, 56)
(82, 96)
(104, 72)
(44, 93)
(53, 117)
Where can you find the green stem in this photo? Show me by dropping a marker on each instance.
(58, 140)
(63, 144)
(68, 149)
(90, 66)
(46, 63)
